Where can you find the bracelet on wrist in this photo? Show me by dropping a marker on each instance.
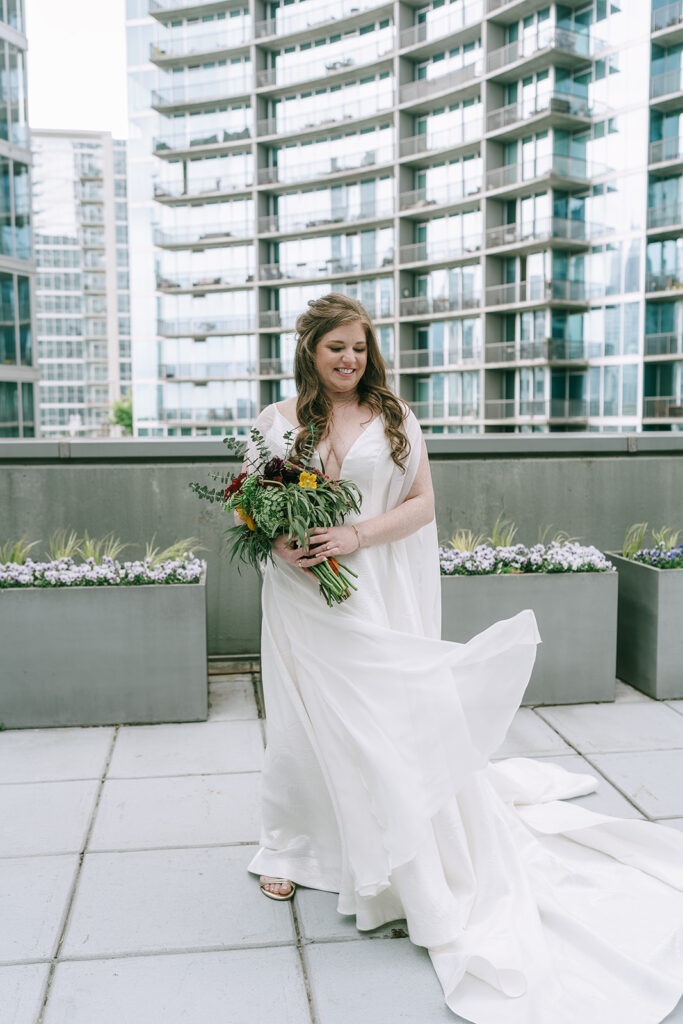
(356, 533)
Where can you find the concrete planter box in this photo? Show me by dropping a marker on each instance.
(103, 655)
(650, 627)
(577, 619)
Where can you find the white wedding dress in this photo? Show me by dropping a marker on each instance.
(377, 785)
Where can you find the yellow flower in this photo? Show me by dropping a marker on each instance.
(247, 519)
(308, 480)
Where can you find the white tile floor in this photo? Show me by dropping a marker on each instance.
(124, 894)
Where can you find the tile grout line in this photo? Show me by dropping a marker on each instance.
(81, 856)
(302, 960)
(595, 768)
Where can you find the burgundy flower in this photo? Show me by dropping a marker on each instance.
(273, 469)
(235, 485)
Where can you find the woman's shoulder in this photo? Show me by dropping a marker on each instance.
(287, 409)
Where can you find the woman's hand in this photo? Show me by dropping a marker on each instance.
(297, 557)
(334, 541)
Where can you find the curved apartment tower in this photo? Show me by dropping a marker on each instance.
(496, 181)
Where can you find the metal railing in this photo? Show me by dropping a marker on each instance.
(440, 409)
(212, 42)
(202, 328)
(441, 195)
(200, 92)
(207, 371)
(515, 351)
(185, 140)
(666, 84)
(429, 358)
(537, 290)
(513, 408)
(553, 103)
(202, 186)
(422, 305)
(326, 268)
(300, 221)
(663, 344)
(331, 165)
(289, 75)
(449, 138)
(550, 163)
(665, 216)
(665, 149)
(665, 282)
(167, 282)
(423, 87)
(543, 227)
(196, 235)
(663, 406)
(455, 248)
(444, 21)
(296, 121)
(579, 43)
(667, 17)
(300, 17)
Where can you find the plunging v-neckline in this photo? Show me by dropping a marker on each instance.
(349, 450)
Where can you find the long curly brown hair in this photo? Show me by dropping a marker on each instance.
(313, 406)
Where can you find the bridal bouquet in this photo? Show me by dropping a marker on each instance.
(284, 496)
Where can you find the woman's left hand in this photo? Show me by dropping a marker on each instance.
(333, 541)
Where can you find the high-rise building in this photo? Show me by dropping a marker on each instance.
(496, 180)
(18, 374)
(82, 287)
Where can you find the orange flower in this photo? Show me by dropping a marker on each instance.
(308, 480)
(247, 519)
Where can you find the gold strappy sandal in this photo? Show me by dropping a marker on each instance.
(278, 895)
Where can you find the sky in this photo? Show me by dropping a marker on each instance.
(77, 65)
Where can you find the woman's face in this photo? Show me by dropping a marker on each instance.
(341, 356)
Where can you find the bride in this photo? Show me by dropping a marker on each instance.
(377, 781)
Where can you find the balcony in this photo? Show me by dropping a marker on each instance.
(664, 345)
(659, 407)
(515, 178)
(162, 10)
(423, 88)
(515, 408)
(441, 22)
(422, 305)
(516, 351)
(465, 134)
(666, 89)
(323, 220)
(664, 283)
(295, 21)
(560, 109)
(667, 23)
(413, 359)
(213, 44)
(349, 62)
(199, 190)
(195, 95)
(665, 220)
(442, 251)
(358, 161)
(202, 285)
(276, 367)
(439, 409)
(571, 233)
(198, 328)
(538, 291)
(204, 372)
(665, 156)
(566, 48)
(209, 236)
(333, 266)
(448, 194)
(296, 122)
(184, 143)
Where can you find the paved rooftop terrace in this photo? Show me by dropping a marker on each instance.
(124, 895)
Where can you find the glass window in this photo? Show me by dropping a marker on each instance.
(9, 409)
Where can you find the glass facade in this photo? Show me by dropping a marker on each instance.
(82, 287)
(498, 182)
(18, 374)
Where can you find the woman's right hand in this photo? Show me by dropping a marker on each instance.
(295, 556)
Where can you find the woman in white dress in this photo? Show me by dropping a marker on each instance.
(377, 782)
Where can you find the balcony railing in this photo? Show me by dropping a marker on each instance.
(211, 42)
(665, 149)
(182, 140)
(513, 408)
(198, 235)
(169, 282)
(269, 318)
(667, 17)
(300, 221)
(516, 351)
(331, 165)
(440, 195)
(552, 103)
(663, 345)
(202, 328)
(437, 409)
(440, 22)
(449, 138)
(551, 163)
(175, 5)
(542, 228)
(326, 268)
(421, 305)
(201, 92)
(423, 87)
(305, 16)
(207, 371)
(666, 216)
(663, 407)
(537, 290)
(666, 282)
(666, 84)
(324, 66)
(426, 358)
(217, 185)
(353, 110)
(579, 43)
(245, 412)
(276, 367)
(455, 248)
